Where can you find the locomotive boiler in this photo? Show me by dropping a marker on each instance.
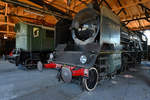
(93, 46)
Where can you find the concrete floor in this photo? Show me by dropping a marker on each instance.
(17, 84)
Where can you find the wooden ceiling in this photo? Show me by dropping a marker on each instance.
(134, 13)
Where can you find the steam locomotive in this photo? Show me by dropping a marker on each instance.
(93, 46)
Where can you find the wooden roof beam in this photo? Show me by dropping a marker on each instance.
(134, 16)
(121, 9)
(101, 1)
(7, 32)
(49, 1)
(83, 2)
(63, 7)
(139, 28)
(107, 4)
(131, 5)
(18, 16)
(49, 12)
(77, 5)
(135, 19)
(7, 23)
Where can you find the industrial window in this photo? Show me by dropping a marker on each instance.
(147, 33)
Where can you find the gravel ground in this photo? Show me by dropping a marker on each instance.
(18, 84)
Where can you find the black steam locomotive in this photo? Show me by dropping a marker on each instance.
(93, 46)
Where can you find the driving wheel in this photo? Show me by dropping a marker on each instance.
(90, 83)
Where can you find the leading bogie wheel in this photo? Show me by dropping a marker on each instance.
(91, 82)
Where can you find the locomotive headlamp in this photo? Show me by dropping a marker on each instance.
(83, 59)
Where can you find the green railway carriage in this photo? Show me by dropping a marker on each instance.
(31, 37)
(33, 43)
